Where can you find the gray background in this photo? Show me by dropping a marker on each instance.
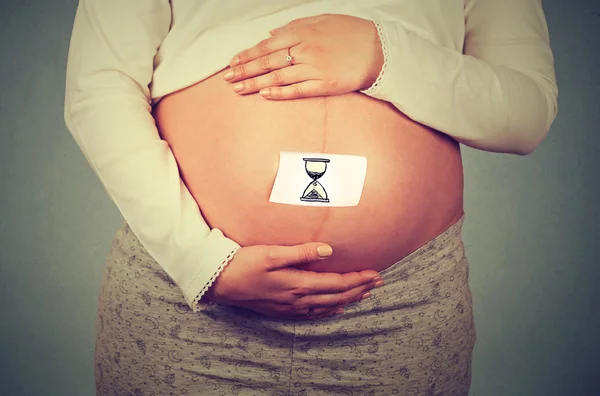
(531, 232)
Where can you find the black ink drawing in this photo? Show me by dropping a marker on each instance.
(315, 167)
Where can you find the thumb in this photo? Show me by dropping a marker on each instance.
(285, 256)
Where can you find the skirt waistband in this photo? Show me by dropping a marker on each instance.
(444, 246)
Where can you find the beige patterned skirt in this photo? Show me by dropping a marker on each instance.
(413, 336)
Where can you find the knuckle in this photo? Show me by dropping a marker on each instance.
(277, 78)
(304, 255)
(286, 300)
(242, 56)
(297, 91)
(275, 93)
(250, 84)
(302, 291)
(317, 51)
(300, 49)
(299, 305)
(310, 30)
(344, 286)
(346, 289)
(270, 256)
(332, 85)
(265, 63)
(242, 71)
(344, 299)
(264, 46)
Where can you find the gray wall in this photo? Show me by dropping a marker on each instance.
(531, 231)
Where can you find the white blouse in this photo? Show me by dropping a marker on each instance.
(481, 71)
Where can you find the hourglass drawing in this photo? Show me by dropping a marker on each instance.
(315, 167)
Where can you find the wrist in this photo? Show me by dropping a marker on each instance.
(376, 57)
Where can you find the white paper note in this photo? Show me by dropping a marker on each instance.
(318, 179)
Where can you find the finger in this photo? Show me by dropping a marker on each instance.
(265, 47)
(369, 275)
(315, 283)
(305, 89)
(257, 67)
(337, 299)
(287, 75)
(287, 256)
(333, 283)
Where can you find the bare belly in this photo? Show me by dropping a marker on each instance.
(227, 148)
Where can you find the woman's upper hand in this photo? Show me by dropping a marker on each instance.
(332, 54)
(262, 278)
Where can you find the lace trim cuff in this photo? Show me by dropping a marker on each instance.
(198, 305)
(386, 60)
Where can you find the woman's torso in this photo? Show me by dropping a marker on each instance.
(227, 148)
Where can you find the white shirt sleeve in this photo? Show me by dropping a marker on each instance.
(108, 112)
(499, 95)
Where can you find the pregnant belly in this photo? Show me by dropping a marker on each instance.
(227, 149)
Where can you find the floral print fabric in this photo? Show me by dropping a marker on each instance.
(413, 336)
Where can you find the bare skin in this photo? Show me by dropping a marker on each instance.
(227, 145)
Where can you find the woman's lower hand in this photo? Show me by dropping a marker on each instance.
(331, 54)
(262, 278)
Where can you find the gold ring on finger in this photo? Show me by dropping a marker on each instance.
(289, 57)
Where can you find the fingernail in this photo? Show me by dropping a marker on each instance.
(234, 62)
(324, 251)
(378, 284)
(339, 311)
(366, 295)
(228, 75)
(238, 87)
(376, 279)
(265, 92)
